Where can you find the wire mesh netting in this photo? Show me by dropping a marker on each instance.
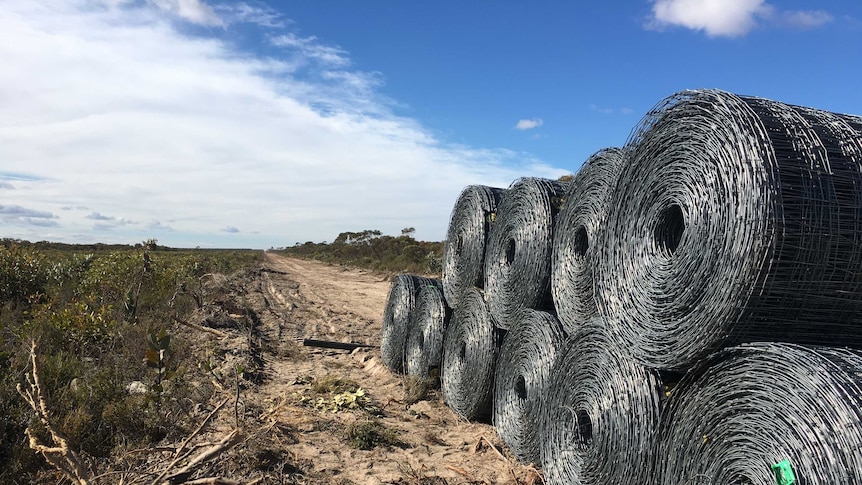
(600, 414)
(753, 412)
(574, 255)
(464, 250)
(529, 351)
(424, 352)
(470, 347)
(400, 304)
(518, 254)
(735, 219)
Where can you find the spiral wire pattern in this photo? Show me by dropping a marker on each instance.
(466, 238)
(529, 351)
(397, 316)
(424, 352)
(753, 406)
(470, 346)
(600, 414)
(574, 258)
(735, 219)
(518, 254)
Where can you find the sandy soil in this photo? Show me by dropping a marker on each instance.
(295, 299)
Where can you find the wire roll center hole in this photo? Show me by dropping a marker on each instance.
(521, 388)
(585, 426)
(669, 228)
(510, 251)
(581, 241)
(463, 351)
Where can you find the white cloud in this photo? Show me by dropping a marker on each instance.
(807, 19)
(118, 110)
(529, 124)
(194, 11)
(715, 17)
(729, 18)
(242, 12)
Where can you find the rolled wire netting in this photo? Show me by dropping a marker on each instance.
(765, 414)
(600, 414)
(529, 351)
(470, 347)
(397, 317)
(518, 254)
(574, 257)
(424, 351)
(734, 219)
(464, 250)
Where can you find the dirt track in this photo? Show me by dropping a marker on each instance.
(295, 299)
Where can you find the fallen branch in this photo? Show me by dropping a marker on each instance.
(225, 444)
(60, 457)
(195, 326)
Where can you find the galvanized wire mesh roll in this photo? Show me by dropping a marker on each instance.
(750, 408)
(529, 351)
(574, 257)
(518, 254)
(470, 347)
(735, 219)
(397, 316)
(424, 352)
(600, 414)
(464, 249)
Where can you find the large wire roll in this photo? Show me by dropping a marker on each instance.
(574, 258)
(397, 316)
(464, 249)
(600, 414)
(750, 408)
(518, 255)
(470, 347)
(735, 219)
(529, 351)
(424, 352)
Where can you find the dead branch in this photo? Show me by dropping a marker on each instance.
(225, 444)
(195, 326)
(60, 456)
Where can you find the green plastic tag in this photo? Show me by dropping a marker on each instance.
(784, 473)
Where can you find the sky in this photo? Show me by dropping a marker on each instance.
(252, 124)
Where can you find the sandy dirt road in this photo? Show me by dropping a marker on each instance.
(297, 299)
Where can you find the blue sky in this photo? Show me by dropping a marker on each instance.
(253, 124)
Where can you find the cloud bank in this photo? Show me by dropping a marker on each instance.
(123, 122)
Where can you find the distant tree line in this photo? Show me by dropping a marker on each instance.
(372, 250)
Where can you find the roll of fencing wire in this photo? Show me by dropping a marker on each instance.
(518, 255)
(464, 250)
(470, 347)
(765, 414)
(397, 316)
(529, 350)
(734, 219)
(600, 414)
(424, 352)
(574, 258)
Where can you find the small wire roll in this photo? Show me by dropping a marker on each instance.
(529, 351)
(397, 316)
(466, 238)
(575, 250)
(470, 347)
(750, 412)
(600, 414)
(424, 353)
(518, 255)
